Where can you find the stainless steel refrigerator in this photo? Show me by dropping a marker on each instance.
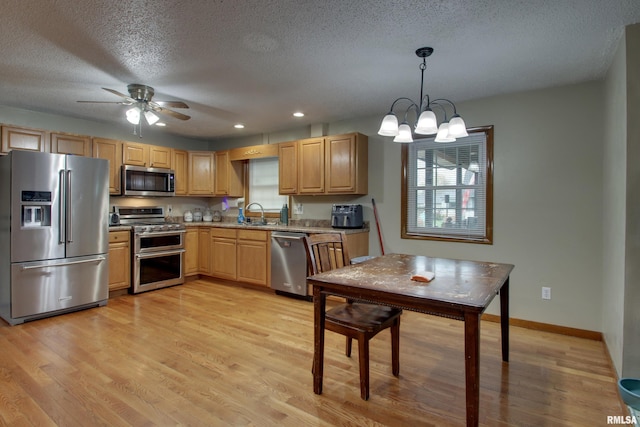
(53, 234)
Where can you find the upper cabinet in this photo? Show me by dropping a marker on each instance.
(135, 154)
(18, 138)
(201, 173)
(181, 167)
(111, 150)
(160, 157)
(228, 176)
(346, 164)
(64, 143)
(151, 156)
(288, 167)
(336, 164)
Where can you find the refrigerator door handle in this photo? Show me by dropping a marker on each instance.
(69, 205)
(63, 264)
(61, 208)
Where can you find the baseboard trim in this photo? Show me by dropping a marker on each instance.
(546, 327)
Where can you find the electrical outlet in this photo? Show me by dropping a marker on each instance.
(297, 209)
(169, 208)
(546, 293)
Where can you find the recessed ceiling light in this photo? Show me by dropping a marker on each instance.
(161, 124)
(298, 114)
(238, 126)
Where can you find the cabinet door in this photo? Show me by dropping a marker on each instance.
(228, 176)
(346, 170)
(253, 257)
(180, 167)
(15, 138)
(204, 250)
(223, 258)
(311, 166)
(191, 243)
(119, 260)
(71, 144)
(160, 157)
(201, 169)
(111, 150)
(288, 167)
(135, 154)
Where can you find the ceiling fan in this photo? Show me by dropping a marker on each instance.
(140, 99)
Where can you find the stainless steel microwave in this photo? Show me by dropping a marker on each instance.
(141, 181)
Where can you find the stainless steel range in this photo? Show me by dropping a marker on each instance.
(158, 248)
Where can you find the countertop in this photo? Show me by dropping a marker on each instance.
(295, 228)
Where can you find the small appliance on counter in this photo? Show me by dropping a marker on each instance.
(346, 216)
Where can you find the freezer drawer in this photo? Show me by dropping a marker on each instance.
(48, 286)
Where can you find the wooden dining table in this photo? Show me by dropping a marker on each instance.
(460, 290)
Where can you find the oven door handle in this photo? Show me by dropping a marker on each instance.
(159, 254)
(160, 233)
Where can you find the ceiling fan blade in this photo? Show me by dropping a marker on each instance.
(122, 95)
(172, 104)
(171, 113)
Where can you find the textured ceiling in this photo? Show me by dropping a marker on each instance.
(257, 61)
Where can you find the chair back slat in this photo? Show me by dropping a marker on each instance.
(326, 251)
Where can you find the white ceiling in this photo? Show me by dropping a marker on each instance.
(257, 61)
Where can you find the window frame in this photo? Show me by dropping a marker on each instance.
(247, 196)
(487, 237)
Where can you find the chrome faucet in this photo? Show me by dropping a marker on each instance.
(262, 220)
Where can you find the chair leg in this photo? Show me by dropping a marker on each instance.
(347, 350)
(395, 347)
(363, 360)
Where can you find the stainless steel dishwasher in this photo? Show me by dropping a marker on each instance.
(288, 263)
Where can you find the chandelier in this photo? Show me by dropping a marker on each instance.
(427, 124)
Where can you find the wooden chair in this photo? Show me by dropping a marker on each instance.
(355, 320)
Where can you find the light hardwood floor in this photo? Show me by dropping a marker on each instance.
(207, 354)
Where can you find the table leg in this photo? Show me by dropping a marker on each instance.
(319, 305)
(472, 366)
(504, 319)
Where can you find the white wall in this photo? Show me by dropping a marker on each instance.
(614, 202)
(631, 329)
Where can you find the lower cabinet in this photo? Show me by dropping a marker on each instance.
(204, 249)
(119, 260)
(223, 253)
(191, 244)
(253, 263)
(240, 255)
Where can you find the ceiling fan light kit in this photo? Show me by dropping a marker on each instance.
(427, 123)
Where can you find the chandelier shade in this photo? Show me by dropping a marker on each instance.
(426, 120)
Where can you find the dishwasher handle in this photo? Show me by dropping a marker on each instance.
(301, 236)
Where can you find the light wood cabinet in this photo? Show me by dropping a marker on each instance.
(119, 260)
(180, 167)
(228, 176)
(253, 257)
(223, 253)
(64, 143)
(335, 164)
(288, 167)
(311, 166)
(201, 173)
(160, 157)
(191, 259)
(135, 154)
(204, 251)
(110, 150)
(346, 168)
(18, 138)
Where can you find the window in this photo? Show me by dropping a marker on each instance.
(448, 189)
(263, 185)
